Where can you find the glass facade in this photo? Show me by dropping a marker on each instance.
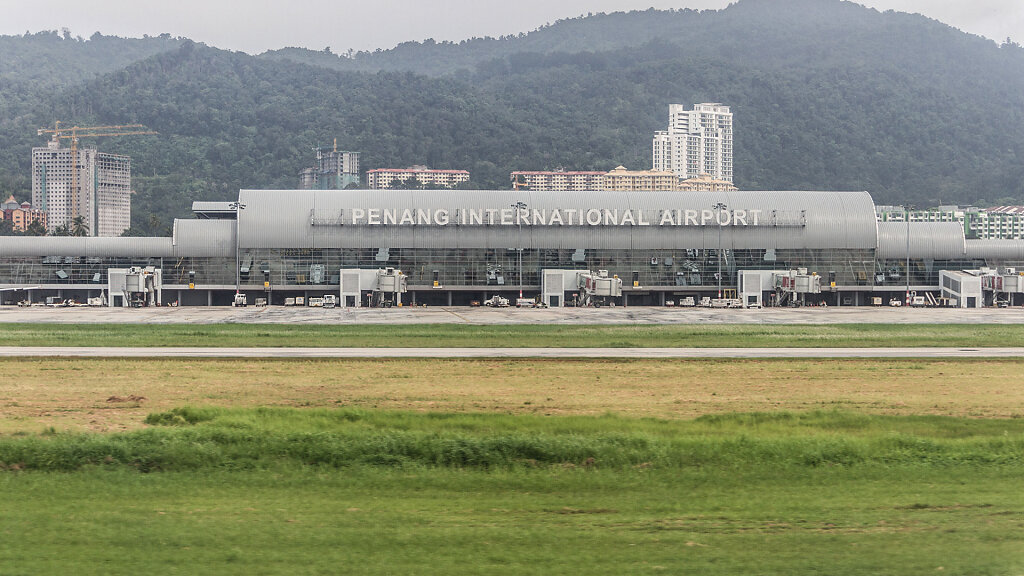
(490, 267)
(465, 274)
(497, 267)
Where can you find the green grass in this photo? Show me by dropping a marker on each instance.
(448, 335)
(286, 491)
(202, 438)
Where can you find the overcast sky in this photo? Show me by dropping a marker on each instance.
(257, 25)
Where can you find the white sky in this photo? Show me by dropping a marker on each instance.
(257, 25)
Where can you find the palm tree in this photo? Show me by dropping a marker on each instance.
(79, 227)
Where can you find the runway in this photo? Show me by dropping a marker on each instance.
(639, 315)
(665, 353)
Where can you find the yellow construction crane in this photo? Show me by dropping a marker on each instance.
(74, 133)
(516, 184)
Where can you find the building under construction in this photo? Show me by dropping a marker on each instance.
(335, 170)
(101, 195)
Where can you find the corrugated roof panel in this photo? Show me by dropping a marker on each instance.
(323, 218)
(928, 240)
(89, 247)
(996, 250)
(204, 237)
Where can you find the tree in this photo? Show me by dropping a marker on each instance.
(35, 228)
(79, 227)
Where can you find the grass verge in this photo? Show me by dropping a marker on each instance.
(284, 491)
(200, 438)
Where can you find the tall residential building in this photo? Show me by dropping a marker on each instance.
(103, 198)
(415, 176)
(335, 170)
(697, 141)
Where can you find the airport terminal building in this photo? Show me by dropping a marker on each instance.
(457, 247)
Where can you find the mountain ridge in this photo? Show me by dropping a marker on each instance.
(826, 95)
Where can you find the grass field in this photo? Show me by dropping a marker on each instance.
(284, 491)
(447, 335)
(117, 394)
(422, 466)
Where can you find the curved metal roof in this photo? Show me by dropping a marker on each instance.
(996, 250)
(88, 247)
(786, 220)
(928, 240)
(204, 238)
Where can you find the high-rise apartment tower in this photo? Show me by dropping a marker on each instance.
(104, 188)
(697, 141)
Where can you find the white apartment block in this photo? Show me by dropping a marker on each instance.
(103, 198)
(1000, 223)
(697, 141)
(559, 180)
(384, 178)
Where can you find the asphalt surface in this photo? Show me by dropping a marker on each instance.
(488, 316)
(184, 352)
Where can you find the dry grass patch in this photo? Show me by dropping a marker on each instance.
(76, 393)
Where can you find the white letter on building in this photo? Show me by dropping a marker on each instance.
(357, 215)
(611, 217)
(540, 217)
(691, 218)
(706, 216)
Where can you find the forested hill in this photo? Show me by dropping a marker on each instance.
(826, 95)
(54, 59)
(772, 33)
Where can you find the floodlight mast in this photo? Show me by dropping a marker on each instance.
(720, 206)
(238, 207)
(520, 206)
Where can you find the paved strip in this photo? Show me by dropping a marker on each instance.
(646, 315)
(111, 352)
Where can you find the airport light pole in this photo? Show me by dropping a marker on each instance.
(907, 210)
(720, 206)
(238, 207)
(520, 206)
